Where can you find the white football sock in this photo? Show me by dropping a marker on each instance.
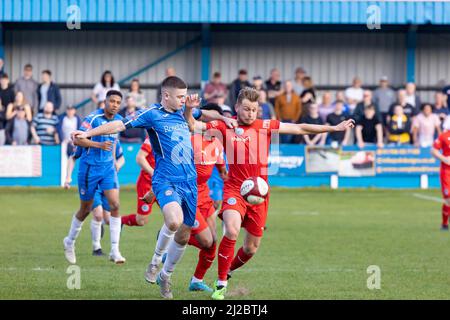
(222, 283)
(96, 232)
(194, 279)
(164, 238)
(114, 229)
(174, 254)
(74, 231)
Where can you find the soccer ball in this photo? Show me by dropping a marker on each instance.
(254, 190)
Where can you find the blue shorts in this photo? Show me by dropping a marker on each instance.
(215, 189)
(184, 193)
(91, 177)
(100, 200)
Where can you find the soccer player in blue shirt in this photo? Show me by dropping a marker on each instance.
(174, 180)
(97, 169)
(100, 208)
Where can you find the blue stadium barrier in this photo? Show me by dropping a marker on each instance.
(293, 163)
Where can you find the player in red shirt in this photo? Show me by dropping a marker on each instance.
(443, 143)
(208, 152)
(247, 150)
(146, 161)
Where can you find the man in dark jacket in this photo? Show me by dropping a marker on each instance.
(48, 91)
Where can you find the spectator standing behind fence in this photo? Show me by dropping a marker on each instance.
(384, 97)
(48, 91)
(288, 108)
(273, 86)
(19, 101)
(137, 94)
(446, 92)
(297, 84)
(425, 126)
(7, 94)
(45, 126)
(236, 86)
(215, 89)
(399, 126)
(312, 117)
(340, 96)
(28, 86)
(440, 106)
(2, 123)
(334, 118)
(411, 96)
(258, 84)
(308, 95)
(67, 123)
(131, 135)
(369, 129)
(354, 94)
(358, 113)
(267, 110)
(106, 83)
(326, 107)
(2, 67)
(18, 128)
(408, 109)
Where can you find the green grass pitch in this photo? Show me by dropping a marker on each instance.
(318, 245)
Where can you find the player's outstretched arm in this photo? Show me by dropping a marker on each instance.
(107, 128)
(304, 128)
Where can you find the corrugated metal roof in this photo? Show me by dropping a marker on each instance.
(227, 11)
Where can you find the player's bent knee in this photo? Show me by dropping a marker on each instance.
(250, 249)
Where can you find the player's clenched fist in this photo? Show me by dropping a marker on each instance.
(148, 197)
(77, 134)
(106, 145)
(344, 125)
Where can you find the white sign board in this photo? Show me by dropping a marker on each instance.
(20, 161)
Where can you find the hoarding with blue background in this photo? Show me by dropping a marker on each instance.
(395, 167)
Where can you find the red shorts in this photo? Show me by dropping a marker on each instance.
(142, 187)
(205, 209)
(445, 183)
(204, 201)
(253, 216)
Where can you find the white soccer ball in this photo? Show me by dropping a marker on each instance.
(254, 190)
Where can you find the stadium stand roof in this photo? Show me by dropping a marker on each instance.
(227, 11)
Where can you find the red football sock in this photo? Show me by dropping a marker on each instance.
(445, 213)
(240, 259)
(130, 220)
(226, 252)
(194, 242)
(205, 260)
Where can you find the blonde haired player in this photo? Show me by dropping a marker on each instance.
(247, 151)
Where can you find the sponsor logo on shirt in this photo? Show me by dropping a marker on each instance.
(168, 193)
(231, 201)
(176, 127)
(241, 139)
(266, 124)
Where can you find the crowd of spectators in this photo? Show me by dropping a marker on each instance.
(30, 112)
(383, 116)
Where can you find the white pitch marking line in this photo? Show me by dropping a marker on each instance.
(424, 197)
